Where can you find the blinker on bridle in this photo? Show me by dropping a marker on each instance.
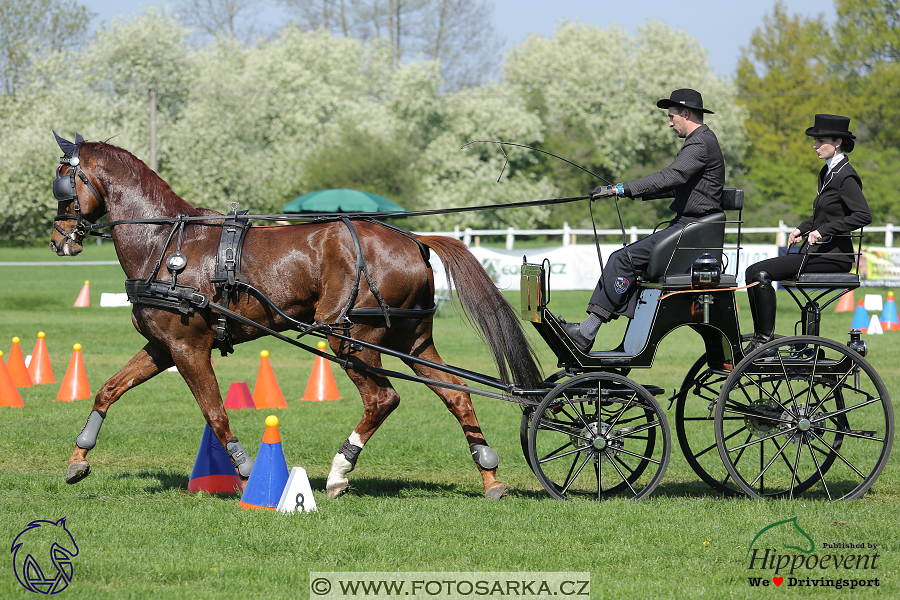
(64, 190)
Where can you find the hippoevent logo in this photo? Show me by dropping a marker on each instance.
(42, 556)
(782, 553)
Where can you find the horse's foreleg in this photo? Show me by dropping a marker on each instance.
(460, 404)
(194, 365)
(147, 363)
(379, 400)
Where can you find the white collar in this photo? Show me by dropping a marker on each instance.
(831, 162)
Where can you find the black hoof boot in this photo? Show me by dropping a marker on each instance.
(583, 343)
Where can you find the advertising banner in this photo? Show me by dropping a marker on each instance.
(880, 267)
(577, 267)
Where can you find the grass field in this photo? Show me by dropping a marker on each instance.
(415, 502)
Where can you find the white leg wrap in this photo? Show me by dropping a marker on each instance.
(337, 481)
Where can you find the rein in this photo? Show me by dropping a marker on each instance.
(94, 228)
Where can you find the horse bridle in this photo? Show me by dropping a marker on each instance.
(64, 190)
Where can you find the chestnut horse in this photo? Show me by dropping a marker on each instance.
(308, 271)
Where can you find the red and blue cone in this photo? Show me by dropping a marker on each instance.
(213, 472)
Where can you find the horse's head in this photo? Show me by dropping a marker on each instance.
(80, 199)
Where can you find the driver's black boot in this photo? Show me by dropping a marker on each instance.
(573, 330)
(763, 306)
(584, 333)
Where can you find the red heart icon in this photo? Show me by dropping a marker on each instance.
(778, 580)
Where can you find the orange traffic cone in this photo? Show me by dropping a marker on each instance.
(239, 396)
(15, 364)
(84, 297)
(846, 303)
(39, 368)
(9, 395)
(321, 384)
(266, 392)
(75, 384)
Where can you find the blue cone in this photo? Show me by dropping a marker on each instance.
(860, 318)
(270, 472)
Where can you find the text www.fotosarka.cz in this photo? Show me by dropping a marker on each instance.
(439, 585)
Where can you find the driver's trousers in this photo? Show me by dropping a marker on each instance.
(615, 294)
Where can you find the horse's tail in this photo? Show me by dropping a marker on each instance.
(497, 322)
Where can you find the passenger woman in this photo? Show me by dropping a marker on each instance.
(838, 209)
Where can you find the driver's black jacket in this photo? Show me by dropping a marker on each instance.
(696, 177)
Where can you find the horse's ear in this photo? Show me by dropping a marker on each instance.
(65, 145)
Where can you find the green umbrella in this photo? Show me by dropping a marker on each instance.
(341, 201)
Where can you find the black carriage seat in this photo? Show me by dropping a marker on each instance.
(816, 286)
(671, 258)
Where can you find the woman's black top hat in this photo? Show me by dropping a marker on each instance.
(685, 98)
(831, 126)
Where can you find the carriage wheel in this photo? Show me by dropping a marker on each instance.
(694, 409)
(597, 435)
(804, 413)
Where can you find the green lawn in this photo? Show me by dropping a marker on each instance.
(415, 502)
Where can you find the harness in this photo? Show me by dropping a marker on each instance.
(228, 269)
(228, 280)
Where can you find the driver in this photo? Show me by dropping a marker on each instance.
(695, 178)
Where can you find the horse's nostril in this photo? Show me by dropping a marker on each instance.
(52, 246)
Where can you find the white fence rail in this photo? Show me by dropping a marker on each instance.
(469, 235)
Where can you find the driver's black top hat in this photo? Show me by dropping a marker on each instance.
(686, 98)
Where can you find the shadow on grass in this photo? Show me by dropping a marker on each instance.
(382, 487)
(164, 480)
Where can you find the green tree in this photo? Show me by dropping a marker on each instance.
(867, 34)
(29, 28)
(784, 79)
(596, 90)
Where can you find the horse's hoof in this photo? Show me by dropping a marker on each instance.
(496, 492)
(336, 488)
(77, 471)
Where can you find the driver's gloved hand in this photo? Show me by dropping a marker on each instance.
(608, 190)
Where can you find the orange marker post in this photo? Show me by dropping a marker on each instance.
(75, 383)
(39, 368)
(15, 364)
(9, 395)
(267, 392)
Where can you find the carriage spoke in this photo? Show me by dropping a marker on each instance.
(638, 429)
(772, 460)
(619, 471)
(575, 450)
(641, 456)
(569, 481)
(546, 425)
(838, 454)
(862, 435)
(796, 466)
(819, 470)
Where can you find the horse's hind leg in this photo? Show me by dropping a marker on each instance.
(147, 363)
(379, 400)
(460, 404)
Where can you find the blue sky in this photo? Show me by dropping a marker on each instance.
(722, 26)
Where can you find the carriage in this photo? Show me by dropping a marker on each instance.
(800, 414)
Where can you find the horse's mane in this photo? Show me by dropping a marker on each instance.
(151, 184)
